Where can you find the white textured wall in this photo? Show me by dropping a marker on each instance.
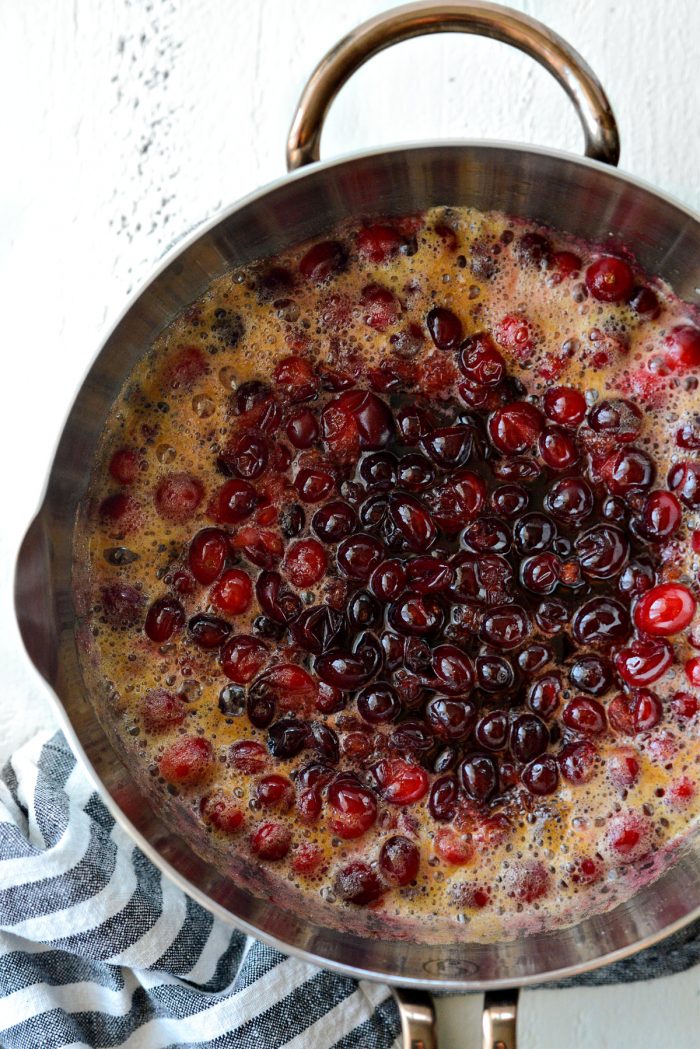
(124, 123)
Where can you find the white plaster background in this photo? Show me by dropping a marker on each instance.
(125, 123)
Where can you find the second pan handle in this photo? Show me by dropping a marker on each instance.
(482, 19)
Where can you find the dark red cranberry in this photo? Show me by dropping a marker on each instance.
(534, 657)
(452, 668)
(541, 776)
(314, 483)
(602, 551)
(359, 555)
(577, 761)
(569, 500)
(429, 575)
(373, 511)
(509, 499)
(379, 470)
(619, 419)
(414, 421)
(378, 242)
(491, 730)
(413, 521)
(505, 626)
(515, 427)
(162, 710)
(481, 362)
(378, 704)
(684, 481)
(637, 578)
(540, 573)
(358, 883)
(609, 279)
(163, 619)
(615, 510)
(479, 776)
(344, 670)
(363, 611)
(449, 447)
(276, 601)
(208, 631)
(564, 405)
(416, 614)
(688, 435)
(399, 860)
(233, 502)
(400, 782)
(243, 657)
(584, 715)
(411, 737)
(682, 348)
(644, 303)
(445, 760)
(381, 305)
(660, 517)
(592, 674)
(271, 841)
(372, 417)
(486, 578)
(302, 428)
(247, 756)
(286, 738)
(322, 260)
(487, 535)
(534, 249)
(601, 621)
(551, 615)
(456, 500)
(533, 532)
(317, 628)
(329, 700)
(415, 472)
(248, 456)
(388, 579)
(557, 449)
(334, 521)
(444, 327)
(274, 792)
(207, 554)
(529, 737)
(644, 661)
(628, 471)
(494, 673)
(442, 802)
(517, 468)
(450, 719)
(632, 714)
(544, 695)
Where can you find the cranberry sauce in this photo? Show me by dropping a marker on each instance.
(392, 572)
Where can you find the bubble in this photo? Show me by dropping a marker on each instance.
(227, 378)
(165, 454)
(203, 406)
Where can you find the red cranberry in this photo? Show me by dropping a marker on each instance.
(344, 670)
(518, 468)
(636, 579)
(516, 334)
(480, 362)
(529, 737)
(557, 449)
(445, 328)
(378, 704)
(584, 715)
(163, 619)
(564, 264)
(491, 730)
(577, 761)
(551, 615)
(628, 836)
(323, 260)
(486, 535)
(533, 532)
(302, 428)
(382, 307)
(485, 579)
(222, 811)
(379, 470)
(515, 427)
(413, 521)
(242, 658)
(453, 669)
(207, 554)
(544, 695)
(248, 456)
(274, 792)
(314, 483)
(250, 395)
(479, 776)
(644, 303)
(415, 472)
(540, 573)
(305, 563)
(399, 860)
(628, 471)
(247, 756)
(667, 609)
(162, 710)
(682, 348)
(660, 517)
(124, 465)
(684, 705)
(233, 502)
(457, 500)
(505, 626)
(378, 243)
(208, 631)
(534, 657)
(353, 807)
(564, 405)
(412, 737)
(644, 661)
(450, 719)
(178, 496)
(569, 500)
(371, 415)
(600, 621)
(414, 421)
(187, 761)
(450, 446)
(442, 802)
(494, 673)
(416, 614)
(295, 379)
(399, 782)
(602, 551)
(357, 883)
(692, 671)
(233, 593)
(619, 419)
(429, 575)
(509, 499)
(454, 847)
(271, 841)
(609, 279)
(541, 776)
(334, 521)
(684, 480)
(359, 555)
(388, 579)
(622, 766)
(592, 674)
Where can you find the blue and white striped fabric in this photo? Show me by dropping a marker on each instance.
(97, 949)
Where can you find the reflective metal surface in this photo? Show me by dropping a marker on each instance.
(580, 196)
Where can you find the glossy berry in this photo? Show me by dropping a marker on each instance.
(541, 776)
(564, 405)
(399, 782)
(161, 710)
(644, 661)
(207, 554)
(609, 279)
(222, 811)
(681, 348)
(577, 761)
(585, 716)
(243, 657)
(358, 883)
(178, 496)
(305, 563)
(271, 841)
(233, 592)
(163, 619)
(515, 427)
(187, 762)
(353, 808)
(665, 610)
(399, 860)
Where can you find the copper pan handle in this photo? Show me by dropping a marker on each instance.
(418, 1028)
(482, 19)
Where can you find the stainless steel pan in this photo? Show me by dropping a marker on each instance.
(586, 197)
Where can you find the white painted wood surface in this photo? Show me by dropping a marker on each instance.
(125, 123)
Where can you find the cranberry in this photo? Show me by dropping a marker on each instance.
(382, 307)
(544, 695)
(565, 264)
(187, 761)
(359, 555)
(628, 836)
(178, 496)
(491, 730)
(619, 419)
(274, 792)
(378, 704)
(287, 737)
(660, 517)
(518, 468)
(323, 260)
(378, 243)
(208, 631)
(308, 857)
(302, 428)
(533, 532)
(121, 509)
(334, 521)
(592, 674)
(551, 615)
(233, 502)
(413, 521)
(305, 563)
(353, 807)
(682, 348)
(162, 710)
(486, 535)
(412, 737)
(416, 614)
(600, 621)
(250, 395)
(247, 756)
(453, 669)
(457, 500)
(534, 657)
(479, 776)
(534, 249)
(622, 766)
(509, 499)
(644, 303)
(692, 670)
(449, 447)
(207, 553)
(344, 670)
(222, 811)
(516, 334)
(379, 470)
(233, 593)
(584, 715)
(357, 883)
(414, 421)
(276, 602)
(248, 456)
(577, 761)
(399, 860)
(399, 782)
(481, 362)
(450, 719)
(388, 579)
(444, 327)
(314, 483)
(429, 575)
(415, 472)
(371, 415)
(667, 609)
(644, 661)
(486, 579)
(540, 573)
(609, 279)
(242, 658)
(629, 471)
(453, 847)
(505, 626)
(564, 405)
(363, 611)
(163, 619)
(541, 776)
(529, 737)
(442, 802)
(684, 480)
(295, 379)
(515, 427)
(636, 579)
(494, 673)
(569, 500)
(124, 465)
(684, 705)
(271, 841)
(603, 551)
(557, 449)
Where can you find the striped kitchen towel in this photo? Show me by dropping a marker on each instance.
(98, 949)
